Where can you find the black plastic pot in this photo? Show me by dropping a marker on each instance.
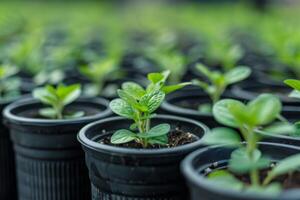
(50, 161)
(192, 97)
(136, 174)
(8, 186)
(194, 166)
(251, 91)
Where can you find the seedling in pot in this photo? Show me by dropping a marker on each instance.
(247, 159)
(218, 82)
(9, 85)
(58, 98)
(98, 73)
(139, 104)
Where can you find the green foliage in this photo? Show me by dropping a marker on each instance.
(218, 82)
(58, 98)
(139, 105)
(248, 159)
(9, 85)
(98, 73)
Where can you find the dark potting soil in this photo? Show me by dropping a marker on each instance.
(34, 113)
(176, 138)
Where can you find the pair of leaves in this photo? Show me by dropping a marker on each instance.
(218, 81)
(158, 81)
(127, 105)
(58, 98)
(156, 135)
(260, 111)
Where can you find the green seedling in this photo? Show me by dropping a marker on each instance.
(218, 82)
(58, 98)
(9, 85)
(139, 104)
(247, 159)
(98, 73)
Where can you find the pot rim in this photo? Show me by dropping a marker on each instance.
(29, 101)
(96, 146)
(193, 176)
(166, 105)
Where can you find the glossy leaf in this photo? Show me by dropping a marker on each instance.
(285, 166)
(122, 136)
(237, 74)
(264, 109)
(222, 135)
(122, 108)
(224, 179)
(241, 163)
(223, 115)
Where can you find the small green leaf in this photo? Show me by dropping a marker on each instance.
(68, 94)
(222, 113)
(44, 96)
(172, 88)
(48, 113)
(295, 94)
(122, 108)
(237, 74)
(122, 136)
(157, 131)
(161, 140)
(285, 166)
(280, 128)
(224, 179)
(153, 100)
(74, 115)
(264, 109)
(155, 77)
(241, 163)
(295, 84)
(204, 70)
(222, 135)
(205, 108)
(133, 89)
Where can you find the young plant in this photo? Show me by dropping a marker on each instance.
(98, 73)
(9, 85)
(218, 82)
(247, 159)
(58, 98)
(139, 104)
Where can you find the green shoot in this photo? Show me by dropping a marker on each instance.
(139, 104)
(58, 98)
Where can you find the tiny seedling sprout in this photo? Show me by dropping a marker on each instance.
(58, 98)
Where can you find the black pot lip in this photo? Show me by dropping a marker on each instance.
(192, 176)
(28, 101)
(95, 146)
(166, 105)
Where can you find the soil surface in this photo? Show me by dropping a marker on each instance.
(176, 137)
